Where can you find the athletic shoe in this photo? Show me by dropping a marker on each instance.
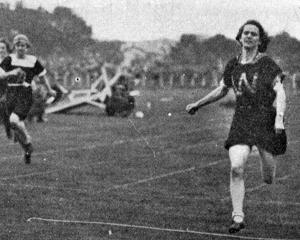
(27, 155)
(236, 227)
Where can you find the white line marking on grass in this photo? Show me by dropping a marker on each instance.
(29, 174)
(145, 140)
(86, 147)
(187, 231)
(118, 142)
(44, 187)
(114, 186)
(284, 223)
(257, 202)
(93, 146)
(272, 202)
(164, 175)
(151, 178)
(213, 163)
(264, 184)
(50, 171)
(104, 190)
(249, 190)
(70, 149)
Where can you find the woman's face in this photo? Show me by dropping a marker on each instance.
(21, 49)
(250, 37)
(3, 50)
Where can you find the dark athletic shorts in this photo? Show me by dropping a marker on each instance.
(256, 128)
(19, 101)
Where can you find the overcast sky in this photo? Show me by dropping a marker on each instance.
(134, 20)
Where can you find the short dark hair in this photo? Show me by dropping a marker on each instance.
(263, 35)
(6, 43)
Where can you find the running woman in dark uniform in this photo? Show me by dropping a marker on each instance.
(258, 120)
(19, 93)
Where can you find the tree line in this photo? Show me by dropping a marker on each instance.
(64, 33)
(58, 31)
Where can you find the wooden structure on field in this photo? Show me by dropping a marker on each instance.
(92, 96)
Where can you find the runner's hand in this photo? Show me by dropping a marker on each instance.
(192, 108)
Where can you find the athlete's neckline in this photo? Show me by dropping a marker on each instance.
(257, 57)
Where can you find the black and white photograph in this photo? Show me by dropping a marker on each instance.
(150, 119)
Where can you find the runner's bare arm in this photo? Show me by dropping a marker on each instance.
(280, 103)
(215, 95)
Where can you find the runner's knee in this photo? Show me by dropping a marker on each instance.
(238, 155)
(237, 171)
(14, 120)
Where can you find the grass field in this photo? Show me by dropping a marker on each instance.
(158, 177)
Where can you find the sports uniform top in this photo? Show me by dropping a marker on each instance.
(254, 118)
(29, 64)
(19, 99)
